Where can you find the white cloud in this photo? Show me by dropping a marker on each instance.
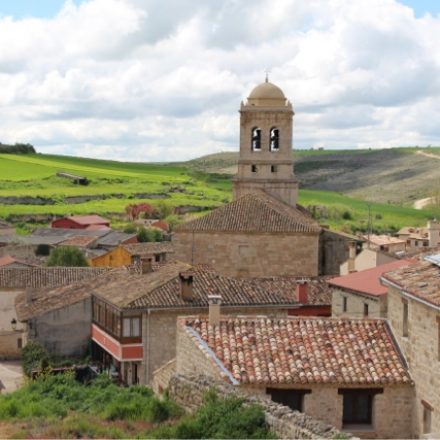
(163, 80)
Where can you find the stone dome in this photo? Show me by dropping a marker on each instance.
(267, 95)
(267, 90)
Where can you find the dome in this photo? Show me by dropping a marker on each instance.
(267, 90)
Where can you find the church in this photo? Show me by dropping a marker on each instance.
(263, 232)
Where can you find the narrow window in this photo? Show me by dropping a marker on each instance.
(256, 139)
(157, 258)
(273, 168)
(274, 139)
(365, 310)
(135, 327)
(19, 343)
(126, 327)
(427, 413)
(294, 399)
(344, 303)
(254, 168)
(405, 318)
(438, 338)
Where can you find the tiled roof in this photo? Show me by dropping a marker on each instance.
(254, 212)
(114, 238)
(88, 219)
(36, 277)
(421, 280)
(415, 233)
(149, 248)
(380, 240)
(268, 351)
(368, 281)
(78, 241)
(162, 289)
(44, 300)
(8, 260)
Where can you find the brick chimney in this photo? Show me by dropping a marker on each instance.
(302, 292)
(351, 256)
(186, 285)
(146, 266)
(214, 302)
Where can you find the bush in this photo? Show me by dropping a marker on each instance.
(130, 229)
(150, 234)
(347, 215)
(34, 357)
(67, 256)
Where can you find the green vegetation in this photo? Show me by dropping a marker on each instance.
(16, 149)
(68, 256)
(57, 406)
(149, 234)
(35, 357)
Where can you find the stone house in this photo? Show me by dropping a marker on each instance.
(385, 243)
(15, 282)
(361, 294)
(414, 315)
(419, 238)
(366, 259)
(134, 316)
(347, 373)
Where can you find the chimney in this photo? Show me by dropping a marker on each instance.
(29, 295)
(301, 292)
(146, 266)
(186, 285)
(351, 256)
(434, 233)
(214, 302)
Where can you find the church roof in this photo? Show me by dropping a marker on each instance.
(267, 90)
(254, 212)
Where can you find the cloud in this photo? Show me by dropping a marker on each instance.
(163, 80)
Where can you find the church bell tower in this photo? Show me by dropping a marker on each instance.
(266, 125)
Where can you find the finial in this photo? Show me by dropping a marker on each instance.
(267, 75)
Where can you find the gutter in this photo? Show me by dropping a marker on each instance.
(409, 295)
(212, 355)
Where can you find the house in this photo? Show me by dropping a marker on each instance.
(153, 223)
(385, 243)
(417, 238)
(367, 258)
(414, 314)
(16, 281)
(134, 316)
(346, 372)
(81, 222)
(134, 253)
(361, 294)
(59, 316)
(115, 238)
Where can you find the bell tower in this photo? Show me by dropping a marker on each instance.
(266, 125)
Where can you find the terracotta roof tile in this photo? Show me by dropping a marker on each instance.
(421, 280)
(268, 351)
(149, 248)
(88, 219)
(78, 241)
(254, 212)
(368, 281)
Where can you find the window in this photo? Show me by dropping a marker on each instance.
(157, 258)
(357, 406)
(256, 139)
(131, 327)
(438, 338)
(19, 343)
(365, 310)
(344, 303)
(274, 139)
(427, 412)
(416, 243)
(273, 168)
(405, 318)
(254, 168)
(294, 399)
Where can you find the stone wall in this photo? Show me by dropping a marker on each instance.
(422, 351)
(377, 306)
(7, 309)
(64, 332)
(250, 255)
(188, 391)
(10, 344)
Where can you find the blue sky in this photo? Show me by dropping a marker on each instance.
(49, 8)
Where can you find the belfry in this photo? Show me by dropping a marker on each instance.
(266, 163)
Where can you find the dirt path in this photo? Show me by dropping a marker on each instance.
(11, 375)
(421, 203)
(431, 155)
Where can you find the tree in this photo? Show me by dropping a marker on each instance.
(133, 211)
(68, 256)
(145, 235)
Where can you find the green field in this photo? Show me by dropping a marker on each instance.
(33, 177)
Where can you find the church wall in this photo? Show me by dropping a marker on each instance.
(250, 254)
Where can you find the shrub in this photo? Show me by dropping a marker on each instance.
(68, 256)
(150, 234)
(347, 215)
(130, 229)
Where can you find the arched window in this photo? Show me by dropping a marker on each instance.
(256, 139)
(274, 139)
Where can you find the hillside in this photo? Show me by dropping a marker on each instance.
(30, 191)
(395, 175)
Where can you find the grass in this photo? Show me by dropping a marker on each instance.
(118, 184)
(60, 407)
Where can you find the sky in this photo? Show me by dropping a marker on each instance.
(162, 80)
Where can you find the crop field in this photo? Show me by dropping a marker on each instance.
(29, 187)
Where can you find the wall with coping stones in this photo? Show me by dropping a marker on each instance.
(188, 391)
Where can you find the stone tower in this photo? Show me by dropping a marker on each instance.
(266, 125)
